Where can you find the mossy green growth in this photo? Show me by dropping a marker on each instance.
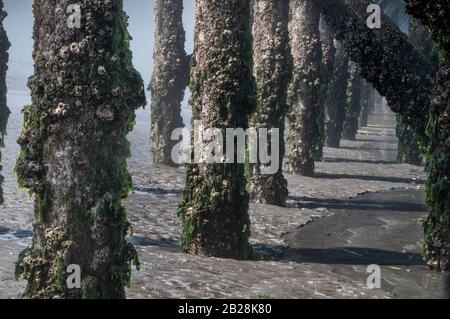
(43, 202)
(215, 203)
(80, 219)
(44, 268)
(434, 14)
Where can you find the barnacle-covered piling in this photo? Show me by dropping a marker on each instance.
(354, 105)
(434, 15)
(386, 59)
(272, 61)
(305, 112)
(328, 65)
(335, 108)
(366, 93)
(169, 80)
(74, 149)
(214, 208)
(4, 111)
(408, 144)
(409, 149)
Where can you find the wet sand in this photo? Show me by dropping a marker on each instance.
(364, 166)
(377, 228)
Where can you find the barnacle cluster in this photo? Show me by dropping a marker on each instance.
(74, 149)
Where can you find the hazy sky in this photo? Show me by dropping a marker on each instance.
(19, 25)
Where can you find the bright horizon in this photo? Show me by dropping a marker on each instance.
(19, 24)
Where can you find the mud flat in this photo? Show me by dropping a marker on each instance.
(377, 228)
(280, 269)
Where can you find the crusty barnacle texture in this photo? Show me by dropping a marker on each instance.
(214, 207)
(169, 80)
(4, 111)
(305, 112)
(74, 150)
(272, 61)
(434, 15)
(408, 144)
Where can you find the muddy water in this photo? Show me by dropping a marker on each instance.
(381, 229)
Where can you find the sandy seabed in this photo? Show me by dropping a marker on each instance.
(290, 268)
